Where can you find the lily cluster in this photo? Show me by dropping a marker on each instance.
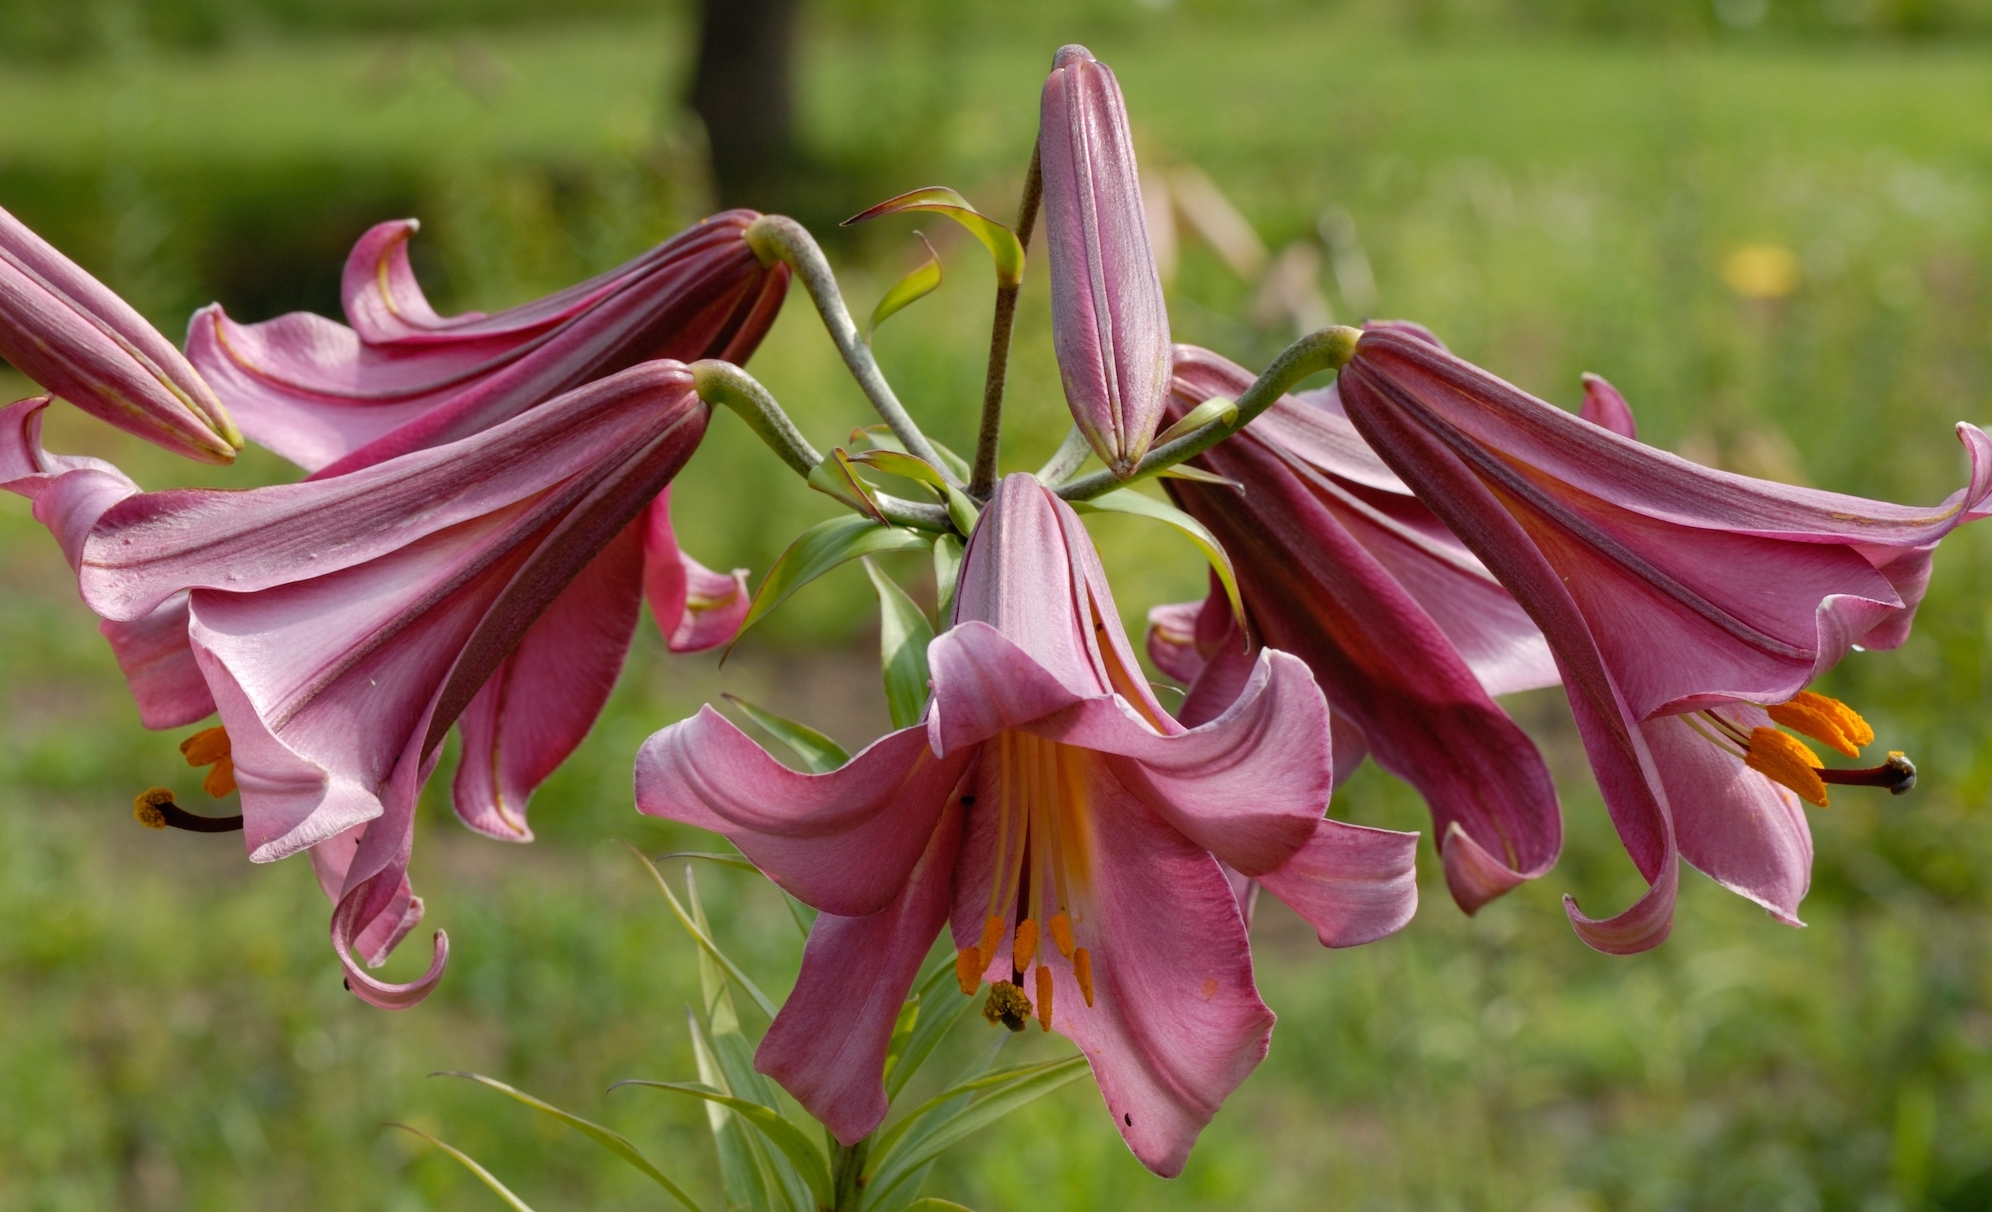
(487, 505)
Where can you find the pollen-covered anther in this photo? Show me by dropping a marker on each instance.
(1061, 933)
(1024, 950)
(1082, 971)
(968, 970)
(1044, 998)
(146, 807)
(209, 747)
(1007, 1005)
(1785, 759)
(1826, 720)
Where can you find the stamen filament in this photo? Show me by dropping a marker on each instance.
(1898, 774)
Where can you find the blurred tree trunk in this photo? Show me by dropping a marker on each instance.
(742, 90)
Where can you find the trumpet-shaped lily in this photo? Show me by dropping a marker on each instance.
(70, 333)
(1110, 327)
(1066, 827)
(1406, 632)
(332, 398)
(342, 625)
(1674, 597)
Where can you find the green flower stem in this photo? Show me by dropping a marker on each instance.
(780, 238)
(847, 1167)
(722, 384)
(1328, 349)
(1071, 453)
(983, 478)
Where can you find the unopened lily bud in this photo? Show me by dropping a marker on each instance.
(1110, 326)
(71, 334)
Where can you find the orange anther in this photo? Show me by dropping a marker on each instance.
(205, 747)
(220, 778)
(992, 938)
(968, 970)
(1784, 759)
(1044, 998)
(1024, 950)
(1828, 721)
(1061, 933)
(1082, 968)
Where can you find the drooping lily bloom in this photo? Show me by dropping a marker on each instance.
(1110, 327)
(342, 625)
(1406, 632)
(68, 332)
(331, 398)
(1067, 828)
(1674, 597)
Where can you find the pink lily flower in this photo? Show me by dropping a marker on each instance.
(1069, 831)
(1109, 324)
(1675, 598)
(332, 399)
(342, 625)
(71, 334)
(1406, 632)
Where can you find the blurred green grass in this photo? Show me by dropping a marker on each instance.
(1549, 204)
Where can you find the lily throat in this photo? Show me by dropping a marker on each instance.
(1040, 797)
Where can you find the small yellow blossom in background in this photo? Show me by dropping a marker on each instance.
(1761, 271)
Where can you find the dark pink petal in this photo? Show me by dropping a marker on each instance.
(1603, 405)
(79, 340)
(1110, 327)
(159, 666)
(696, 608)
(1176, 1022)
(1249, 786)
(546, 695)
(1353, 884)
(842, 842)
(827, 1046)
(1735, 826)
(334, 399)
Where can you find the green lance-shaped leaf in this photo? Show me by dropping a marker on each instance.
(1002, 243)
(704, 939)
(941, 1005)
(947, 573)
(732, 1073)
(903, 636)
(819, 549)
(996, 1095)
(725, 860)
(1128, 501)
(740, 1165)
(806, 1157)
(1183, 471)
(930, 1204)
(485, 1176)
(836, 477)
(962, 510)
(614, 1142)
(1217, 408)
(818, 752)
(882, 438)
(921, 282)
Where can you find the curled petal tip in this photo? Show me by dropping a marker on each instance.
(1474, 876)
(387, 996)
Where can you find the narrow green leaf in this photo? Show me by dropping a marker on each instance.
(947, 571)
(804, 916)
(725, 860)
(917, 285)
(962, 511)
(942, 1005)
(489, 1179)
(1001, 1093)
(1128, 501)
(818, 752)
(818, 550)
(1004, 248)
(837, 478)
(969, 1084)
(902, 1034)
(1213, 409)
(615, 1142)
(1183, 471)
(740, 1163)
(784, 1135)
(882, 438)
(903, 636)
(930, 1204)
(703, 939)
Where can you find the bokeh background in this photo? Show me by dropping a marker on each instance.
(1765, 220)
